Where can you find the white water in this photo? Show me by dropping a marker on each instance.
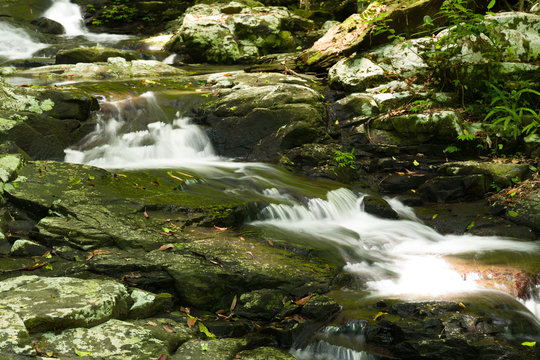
(15, 43)
(69, 15)
(134, 143)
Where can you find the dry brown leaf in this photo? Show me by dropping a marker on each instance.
(221, 311)
(303, 301)
(242, 238)
(250, 254)
(191, 322)
(233, 304)
(185, 310)
(166, 247)
(167, 329)
(151, 323)
(47, 253)
(163, 357)
(217, 228)
(145, 214)
(36, 266)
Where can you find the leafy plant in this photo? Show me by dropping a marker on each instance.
(509, 110)
(345, 159)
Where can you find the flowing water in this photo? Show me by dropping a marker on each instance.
(391, 258)
(16, 43)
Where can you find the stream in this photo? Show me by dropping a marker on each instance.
(392, 259)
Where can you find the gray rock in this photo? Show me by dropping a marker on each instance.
(27, 248)
(92, 55)
(260, 304)
(454, 188)
(265, 353)
(221, 349)
(503, 175)
(45, 304)
(145, 304)
(172, 333)
(114, 339)
(320, 307)
(9, 165)
(14, 338)
(48, 26)
(355, 74)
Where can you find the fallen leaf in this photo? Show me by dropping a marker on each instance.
(221, 311)
(166, 246)
(434, 216)
(185, 310)
(217, 228)
(163, 357)
(167, 329)
(250, 254)
(379, 314)
(242, 238)
(191, 321)
(270, 242)
(233, 304)
(529, 343)
(155, 183)
(97, 252)
(82, 353)
(303, 301)
(36, 266)
(181, 173)
(462, 305)
(151, 323)
(145, 214)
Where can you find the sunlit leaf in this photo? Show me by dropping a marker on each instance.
(491, 4)
(203, 329)
(204, 347)
(74, 181)
(434, 216)
(471, 225)
(379, 314)
(512, 213)
(529, 343)
(303, 301)
(82, 353)
(415, 163)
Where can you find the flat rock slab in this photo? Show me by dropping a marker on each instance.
(112, 340)
(45, 304)
(14, 338)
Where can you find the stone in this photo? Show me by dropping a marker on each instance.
(355, 74)
(260, 304)
(48, 26)
(220, 349)
(354, 105)
(23, 247)
(320, 308)
(45, 304)
(375, 205)
(9, 165)
(159, 329)
(235, 32)
(145, 304)
(503, 175)
(114, 339)
(93, 54)
(258, 123)
(265, 353)
(444, 189)
(14, 338)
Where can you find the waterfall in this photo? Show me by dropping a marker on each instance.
(69, 15)
(135, 133)
(398, 257)
(15, 43)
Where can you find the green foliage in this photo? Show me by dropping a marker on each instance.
(509, 110)
(121, 11)
(345, 159)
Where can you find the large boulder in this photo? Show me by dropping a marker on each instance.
(236, 32)
(257, 123)
(58, 303)
(93, 54)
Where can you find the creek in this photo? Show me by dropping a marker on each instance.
(391, 259)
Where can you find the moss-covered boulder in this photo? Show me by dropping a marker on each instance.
(58, 303)
(265, 353)
(14, 337)
(500, 174)
(92, 55)
(236, 32)
(114, 68)
(220, 349)
(257, 123)
(114, 339)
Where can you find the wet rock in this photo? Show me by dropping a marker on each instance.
(114, 68)
(352, 106)
(257, 123)
(320, 308)
(221, 349)
(92, 55)
(265, 353)
(113, 339)
(503, 175)
(58, 303)
(454, 188)
(236, 32)
(310, 155)
(377, 206)
(48, 26)
(260, 304)
(525, 210)
(27, 248)
(355, 74)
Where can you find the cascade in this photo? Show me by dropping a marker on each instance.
(15, 43)
(69, 15)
